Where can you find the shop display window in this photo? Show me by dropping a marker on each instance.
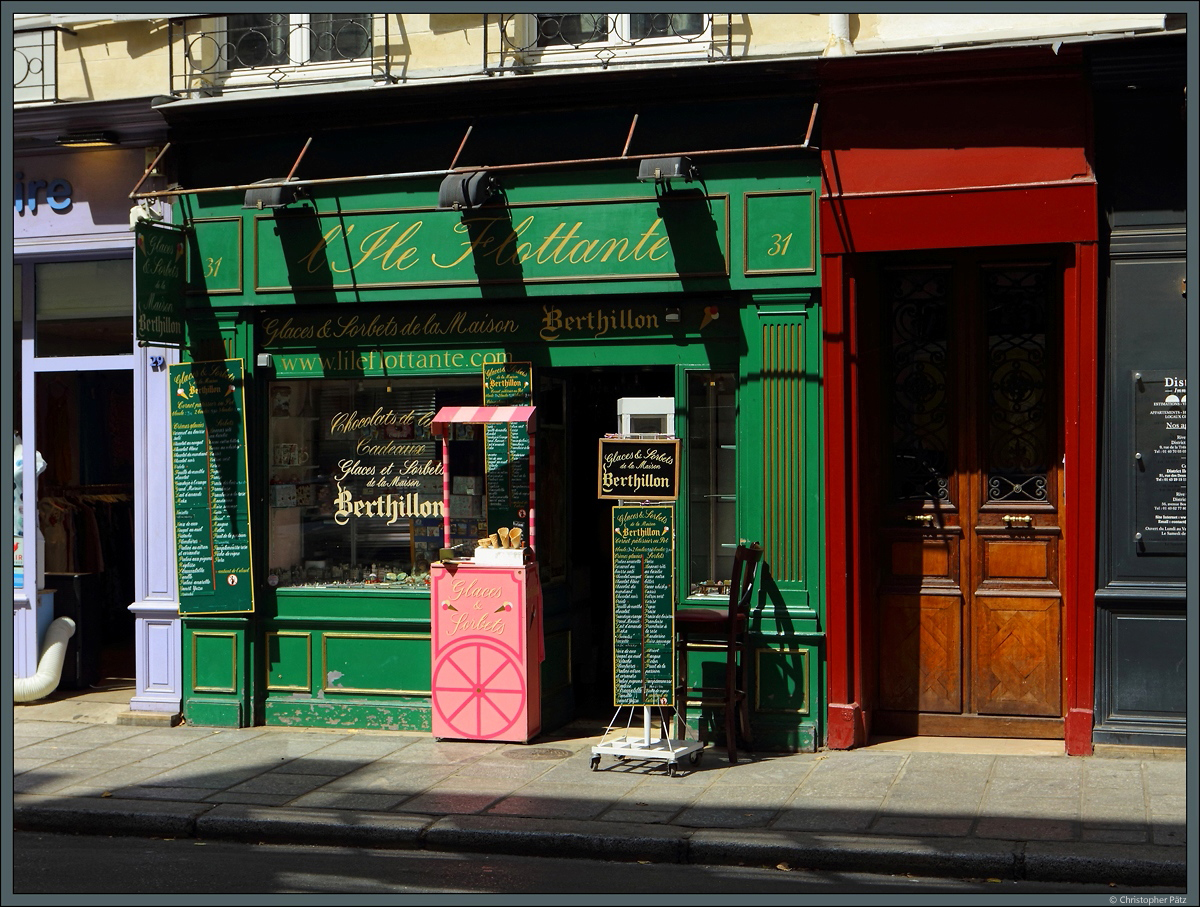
(84, 308)
(712, 482)
(355, 494)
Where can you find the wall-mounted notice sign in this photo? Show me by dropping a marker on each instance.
(644, 605)
(1160, 462)
(160, 266)
(639, 470)
(212, 517)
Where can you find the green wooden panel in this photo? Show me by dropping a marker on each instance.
(779, 458)
(309, 606)
(361, 714)
(783, 682)
(214, 713)
(379, 663)
(780, 232)
(214, 662)
(785, 515)
(215, 255)
(289, 661)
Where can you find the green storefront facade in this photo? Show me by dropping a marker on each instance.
(359, 308)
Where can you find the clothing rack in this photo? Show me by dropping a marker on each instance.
(118, 490)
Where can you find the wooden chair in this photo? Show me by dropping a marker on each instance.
(729, 627)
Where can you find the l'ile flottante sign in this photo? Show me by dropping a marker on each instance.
(612, 239)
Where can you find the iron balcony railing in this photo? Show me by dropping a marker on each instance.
(528, 42)
(213, 55)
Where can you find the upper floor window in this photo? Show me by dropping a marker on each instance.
(296, 39)
(266, 50)
(591, 37)
(35, 64)
(577, 29)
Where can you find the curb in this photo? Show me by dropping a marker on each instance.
(291, 825)
(94, 816)
(560, 838)
(1126, 864)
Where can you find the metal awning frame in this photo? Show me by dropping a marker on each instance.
(806, 145)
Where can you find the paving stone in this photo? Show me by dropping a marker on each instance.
(1114, 835)
(374, 745)
(789, 771)
(935, 825)
(647, 816)
(223, 796)
(323, 765)
(439, 753)
(842, 819)
(448, 802)
(144, 792)
(281, 783)
(1026, 828)
(562, 801)
(327, 799)
(724, 817)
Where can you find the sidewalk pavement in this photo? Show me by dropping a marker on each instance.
(1000, 809)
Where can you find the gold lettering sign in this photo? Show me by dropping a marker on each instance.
(619, 239)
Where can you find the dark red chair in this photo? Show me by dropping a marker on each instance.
(727, 627)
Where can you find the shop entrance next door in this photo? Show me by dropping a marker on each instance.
(962, 479)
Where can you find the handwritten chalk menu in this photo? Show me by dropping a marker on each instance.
(506, 446)
(638, 470)
(1160, 462)
(644, 605)
(208, 457)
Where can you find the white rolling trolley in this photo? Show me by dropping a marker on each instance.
(641, 472)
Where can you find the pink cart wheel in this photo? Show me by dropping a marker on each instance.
(478, 689)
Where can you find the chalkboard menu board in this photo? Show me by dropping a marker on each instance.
(1160, 462)
(644, 605)
(639, 470)
(506, 446)
(208, 456)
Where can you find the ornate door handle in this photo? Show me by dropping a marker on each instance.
(1011, 518)
(925, 519)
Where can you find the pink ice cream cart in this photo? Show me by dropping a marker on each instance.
(486, 619)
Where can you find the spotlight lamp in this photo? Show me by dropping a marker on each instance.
(665, 169)
(460, 191)
(271, 196)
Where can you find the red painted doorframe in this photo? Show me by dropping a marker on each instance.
(1060, 214)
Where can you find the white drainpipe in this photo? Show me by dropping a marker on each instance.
(50, 663)
(839, 43)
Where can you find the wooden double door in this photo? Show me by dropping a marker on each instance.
(962, 474)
